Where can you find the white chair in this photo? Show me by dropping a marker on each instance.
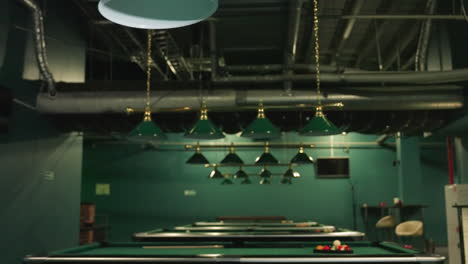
(386, 224)
(408, 230)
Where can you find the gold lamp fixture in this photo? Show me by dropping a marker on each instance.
(147, 130)
(319, 125)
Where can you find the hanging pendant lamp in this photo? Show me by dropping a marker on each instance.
(290, 173)
(285, 180)
(204, 128)
(227, 181)
(319, 125)
(232, 157)
(157, 14)
(261, 127)
(147, 130)
(197, 157)
(240, 174)
(302, 158)
(216, 174)
(265, 176)
(266, 157)
(246, 181)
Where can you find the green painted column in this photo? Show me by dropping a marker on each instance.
(409, 169)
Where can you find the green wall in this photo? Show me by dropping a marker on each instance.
(147, 186)
(40, 167)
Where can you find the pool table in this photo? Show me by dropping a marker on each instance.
(286, 223)
(190, 228)
(159, 235)
(117, 253)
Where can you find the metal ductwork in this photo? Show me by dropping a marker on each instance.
(235, 100)
(292, 41)
(40, 45)
(440, 77)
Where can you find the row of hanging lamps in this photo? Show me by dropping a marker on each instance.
(266, 157)
(157, 14)
(197, 157)
(233, 159)
(264, 174)
(319, 125)
(261, 127)
(147, 130)
(204, 128)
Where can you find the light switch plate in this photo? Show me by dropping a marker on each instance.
(102, 189)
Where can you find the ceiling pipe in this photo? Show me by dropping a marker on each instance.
(292, 40)
(295, 67)
(40, 45)
(213, 50)
(439, 77)
(348, 29)
(236, 100)
(424, 36)
(399, 17)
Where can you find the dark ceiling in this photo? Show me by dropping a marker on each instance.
(266, 38)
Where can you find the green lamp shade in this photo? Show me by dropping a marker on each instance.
(232, 158)
(240, 174)
(157, 14)
(246, 181)
(216, 174)
(261, 128)
(302, 158)
(146, 131)
(266, 158)
(265, 181)
(290, 173)
(265, 173)
(204, 129)
(286, 180)
(320, 126)
(227, 181)
(197, 158)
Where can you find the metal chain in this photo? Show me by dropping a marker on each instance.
(317, 53)
(148, 70)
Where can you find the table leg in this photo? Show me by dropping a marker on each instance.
(460, 233)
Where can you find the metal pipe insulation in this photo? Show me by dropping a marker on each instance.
(213, 50)
(292, 67)
(439, 77)
(236, 100)
(292, 41)
(40, 45)
(424, 36)
(348, 29)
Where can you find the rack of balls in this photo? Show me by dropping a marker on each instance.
(337, 247)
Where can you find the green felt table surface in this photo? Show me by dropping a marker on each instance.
(138, 249)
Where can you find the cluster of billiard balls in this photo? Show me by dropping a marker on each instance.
(336, 247)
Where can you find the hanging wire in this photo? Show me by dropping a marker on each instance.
(148, 68)
(317, 54)
(148, 76)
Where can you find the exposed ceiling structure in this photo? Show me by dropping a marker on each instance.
(375, 57)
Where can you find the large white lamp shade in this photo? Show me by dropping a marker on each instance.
(157, 14)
